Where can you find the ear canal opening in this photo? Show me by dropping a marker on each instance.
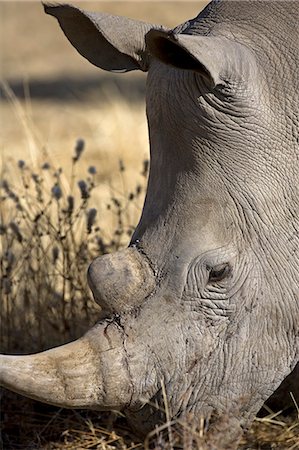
(171, 53)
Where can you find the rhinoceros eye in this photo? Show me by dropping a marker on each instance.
(218, 273)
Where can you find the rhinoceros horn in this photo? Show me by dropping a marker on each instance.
(91, 372)
(75, 375)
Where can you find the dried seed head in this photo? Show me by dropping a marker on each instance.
(27, 298)
(83, 189)
(57, 173)
(2, 229)
(5, 186)
(70, 204)
(6, 285)
(116, 202)
(15, 228)
(21, 164)
(10, 258)
(46, 166)
(56, 191)
(92, 170)
(121, 165)
(13, 196)
(55, 254)
(35, 178)
(101, 245)
(79, 148)
(145, 167)
(37, 217)
(91, 215)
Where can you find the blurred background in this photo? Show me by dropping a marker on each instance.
(54, 104)
(52, 95)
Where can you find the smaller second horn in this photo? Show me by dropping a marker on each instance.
(120, 281)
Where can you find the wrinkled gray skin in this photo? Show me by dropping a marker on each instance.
(205, 300)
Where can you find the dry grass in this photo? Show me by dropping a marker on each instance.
(49, 230)
(116, 130)
(49, 235)
(30, 425)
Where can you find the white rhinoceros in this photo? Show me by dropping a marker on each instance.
(205, 300)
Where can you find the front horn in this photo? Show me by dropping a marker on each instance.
(87, 373)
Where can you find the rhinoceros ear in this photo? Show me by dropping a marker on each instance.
(217, 59)
(113, 43)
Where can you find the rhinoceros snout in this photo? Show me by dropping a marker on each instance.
(120, 281)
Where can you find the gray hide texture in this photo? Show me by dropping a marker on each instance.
(205, 300)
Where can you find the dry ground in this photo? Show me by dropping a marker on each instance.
(51, 97)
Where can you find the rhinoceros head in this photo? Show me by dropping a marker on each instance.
(204, 301)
